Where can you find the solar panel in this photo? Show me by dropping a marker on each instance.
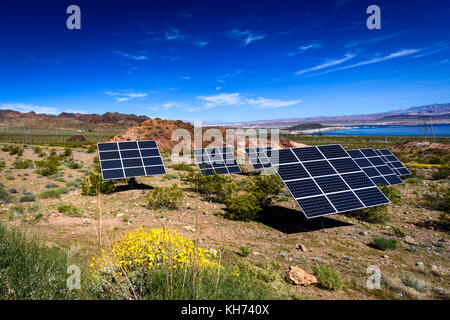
(258, 158)
(129, 159)
(218, 159)
(375, 166)
(324, 180)
(393, 162)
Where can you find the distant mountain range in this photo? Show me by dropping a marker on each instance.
(65, 120)
(438, 113)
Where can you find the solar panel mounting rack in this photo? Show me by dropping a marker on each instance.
(258, 158)
(216, 159)
(392, 161)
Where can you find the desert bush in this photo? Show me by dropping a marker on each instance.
(327, 277)
(443, 172)
(413, 180)
(392, 193)
(22, 164)
(16, 210)
(439, 199)
(245, 250)
(67, 152)
(266, 189)
(91, 149)
(215, 187)
(27, 198)
(182, 167)
(418, 284)
(13, 150)
(164, 197)
(9, 176)
(244, 207)
(2, 165)
(33, 208)
(29, 270)
(73, 184)
(50, 194)
(94, 184)
(49, 166)
(378, 214)
(5, 196)
(70, 210)
(384, 244)
(72, 164)
(398, 232)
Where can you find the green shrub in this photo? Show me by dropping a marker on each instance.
(91, 149)
(73, 165)
(13, 149)
(164, 197)
(50, 194)
(9, 176)
(378, 214)
(266, 188)
(5, 196)
(22, 164)
(33, 208)
(244, 207)
(443, 172)
(418, 284)
(384, 244)
(94, 184)
(73, 184)
(182, 167)
(245, 250)
(393, 194)
(16, 210)
(327, 277)
(413, 180)
(49, 166)
(215, 187)
(2, 165)
(70, 210)
(29, 270)
(67, 152)
(27, 198)
(398, 232)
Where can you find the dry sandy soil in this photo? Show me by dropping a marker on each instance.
(340, 241)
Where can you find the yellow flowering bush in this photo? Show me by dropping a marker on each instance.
(147, 249)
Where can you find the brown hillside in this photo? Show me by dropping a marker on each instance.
(161, 131)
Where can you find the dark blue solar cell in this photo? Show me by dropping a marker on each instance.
(112, 174)
(357, 180)
(396, 172)
(128, 145)
(108, 155)
(344, 165)
(152, 161)
(384, 170)
(371, 172)
(331, 184)
(303, 188)
(371, 196)
(363, 162)
(137, 162)
(369, 152)
(229, 158)
(150, 153)
(134, 172)
(234, 169)
(345, 201)
(376, 161)
(107, 146)
(130, 154)
(397, 164)
(217, 164)
(207, 172)
(150, 171)
(267, 165)
(403, 172)
(355, 153)
(393, 179)
(391, 158)
(319, 168)
(257, 166)
(315, 206)
(111, 164)
(147, 144)
(198, 152)
(333, 151)
(291, 171)
(380, 180)
(227, 150)
(386, 152)
(222, 170)
(308, 153)
(282, 156)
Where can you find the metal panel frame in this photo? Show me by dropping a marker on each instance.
(383, 156)
(204, 153)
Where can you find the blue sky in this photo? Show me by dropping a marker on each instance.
(223, 60)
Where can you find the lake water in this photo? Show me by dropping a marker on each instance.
(440, 130)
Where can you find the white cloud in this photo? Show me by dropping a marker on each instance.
(230, 99)
(193, 109)
(430, 52)
(218, 88)
(246, 36)
(201, 44)
(186, 77)
(374, 40)
(75, 111)
(327, 64)
(263, 103)
(125, 96)
(130, 56)
(23, 107)
(170, 58)
(304, 48)
(174, 34)
(173, 104)
(223, 99)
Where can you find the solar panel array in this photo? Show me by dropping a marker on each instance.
(258, 158)
(374, 166)
(219, 160)
(325, 180)
(393, 162)
(130, 159)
